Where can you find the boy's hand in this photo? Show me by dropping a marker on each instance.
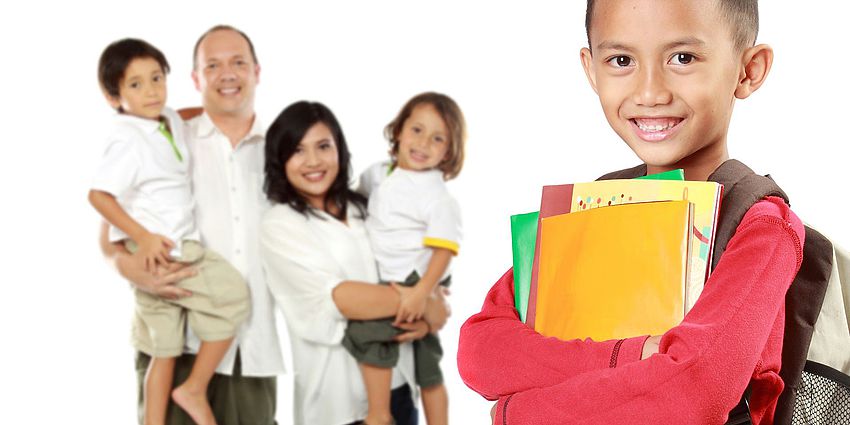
(650, 347)
(155, 249)
(415, 330)
(412, 306)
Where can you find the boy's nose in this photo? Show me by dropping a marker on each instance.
(651, 89)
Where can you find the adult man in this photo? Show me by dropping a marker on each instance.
(226, 143)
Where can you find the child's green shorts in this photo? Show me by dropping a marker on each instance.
(219, 303)
(371, 342)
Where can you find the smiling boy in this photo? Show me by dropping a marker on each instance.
(143, 189)
(667, 73)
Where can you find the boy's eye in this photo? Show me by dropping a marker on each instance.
(135, 85)
(682, 59)
(439, 139)
(416, 130)
(621, 61)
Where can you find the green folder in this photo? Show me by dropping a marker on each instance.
(524, 237)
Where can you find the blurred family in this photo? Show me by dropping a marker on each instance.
(216, 220)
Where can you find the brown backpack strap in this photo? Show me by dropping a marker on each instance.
(802, 308)
(741, 189)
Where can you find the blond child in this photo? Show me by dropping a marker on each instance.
(414, 227)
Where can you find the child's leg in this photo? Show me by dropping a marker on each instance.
(157, 388)
(191, 395)
(377, 381)
(435, 402)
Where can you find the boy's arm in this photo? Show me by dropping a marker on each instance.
(705, 363)
(132, 268)
(500, 355)
(412, 307)
(152, 246)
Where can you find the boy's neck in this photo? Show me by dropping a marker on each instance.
(234, 127)
(698, 166)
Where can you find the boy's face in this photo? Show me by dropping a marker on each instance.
(226, 74)
(423, 142)
(141, 91)
(666, 72)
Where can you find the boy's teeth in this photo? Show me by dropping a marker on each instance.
(656, 124)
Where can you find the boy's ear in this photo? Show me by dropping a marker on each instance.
(113, 101)
(587, 64)
(757, 61)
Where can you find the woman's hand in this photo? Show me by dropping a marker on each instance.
(437, 310)
(415, 330)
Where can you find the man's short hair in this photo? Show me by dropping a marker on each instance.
(741, 15)
(222, 28)
(117, 57)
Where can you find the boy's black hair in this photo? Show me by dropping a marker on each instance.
(283, 137)
(222, 27)
(741, 15)
(117, 57)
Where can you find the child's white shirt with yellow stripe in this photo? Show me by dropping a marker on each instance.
(410, 212)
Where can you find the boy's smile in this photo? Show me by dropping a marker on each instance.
(667, 73)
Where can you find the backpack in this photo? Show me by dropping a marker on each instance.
(741, 189)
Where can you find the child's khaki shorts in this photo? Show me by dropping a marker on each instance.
(219, 303)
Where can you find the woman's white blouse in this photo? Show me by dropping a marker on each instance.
(305, 257)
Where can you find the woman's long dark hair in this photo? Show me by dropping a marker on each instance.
(283, 137)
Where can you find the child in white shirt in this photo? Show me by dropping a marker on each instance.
(414, 227)
(142, 188)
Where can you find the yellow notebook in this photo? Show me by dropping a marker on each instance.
(616, 272)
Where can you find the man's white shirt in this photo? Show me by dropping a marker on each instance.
(227, 184)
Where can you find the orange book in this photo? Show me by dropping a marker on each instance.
(615, 272)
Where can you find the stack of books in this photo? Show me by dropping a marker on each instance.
(616, 258)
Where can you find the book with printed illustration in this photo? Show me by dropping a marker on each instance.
(615, 272)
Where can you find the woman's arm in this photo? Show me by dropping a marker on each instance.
(705, 363)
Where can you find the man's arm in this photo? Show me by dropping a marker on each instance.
(160, 283)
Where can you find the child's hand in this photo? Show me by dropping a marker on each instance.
(155, 250)
(412, 306)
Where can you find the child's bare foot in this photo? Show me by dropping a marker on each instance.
(195, 404)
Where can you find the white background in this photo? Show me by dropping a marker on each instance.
(513, 69)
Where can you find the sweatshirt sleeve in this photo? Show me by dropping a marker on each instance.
(705, 363)
(500, 355)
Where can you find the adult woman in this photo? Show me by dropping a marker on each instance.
(320, 266)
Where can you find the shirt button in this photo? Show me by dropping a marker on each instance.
(238, 251)
(233, 188)
(236, 219)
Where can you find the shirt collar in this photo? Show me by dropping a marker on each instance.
(148, 126)
(206, 128)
